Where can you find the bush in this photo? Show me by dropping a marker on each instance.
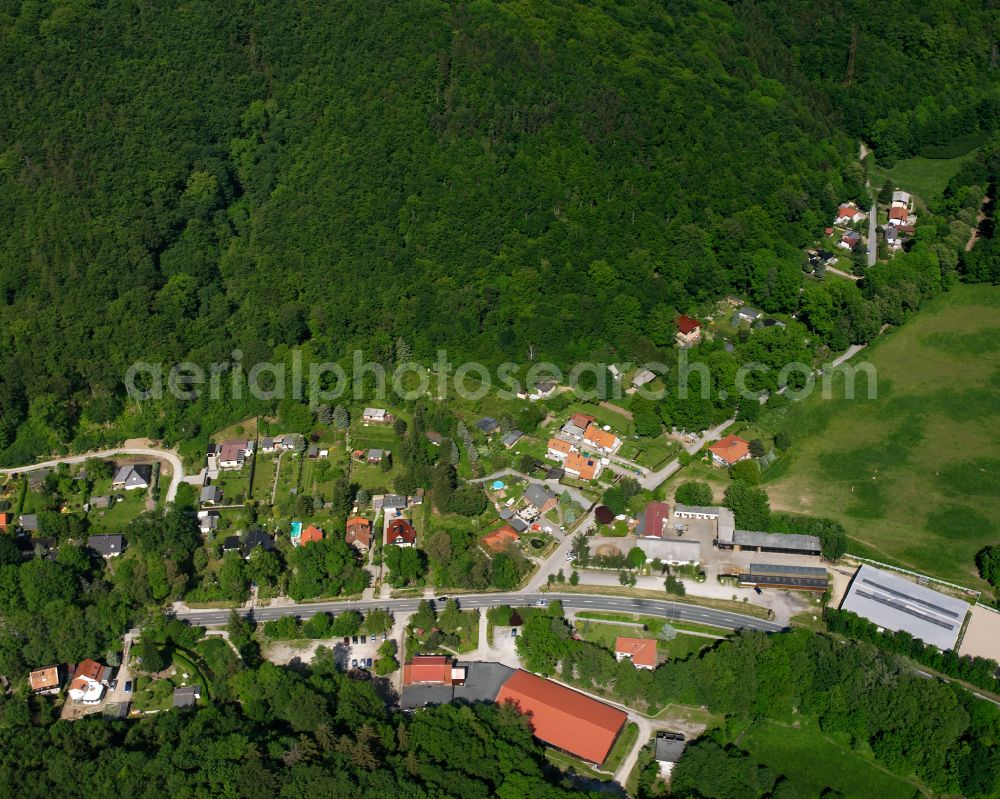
(694, 492)
(284, 629)
(347, 623)
(746, 470)
(318, 626)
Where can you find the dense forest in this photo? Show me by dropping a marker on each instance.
(558, 178)
(316, 735)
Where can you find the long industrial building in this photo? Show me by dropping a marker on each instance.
(895, 603)
(796, 578)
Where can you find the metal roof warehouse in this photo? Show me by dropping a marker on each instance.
(895, 603)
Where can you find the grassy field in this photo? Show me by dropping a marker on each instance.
(912, 474)
(925, 177)
(605, 633)
(700, 472)
(813, 761)
(622, 747)
(605, 416)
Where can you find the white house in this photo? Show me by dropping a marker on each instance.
(232, 454)
(642, 377)
(848, 214)
(559, 449)
(87, 685)
(376, 415)
(900, 199)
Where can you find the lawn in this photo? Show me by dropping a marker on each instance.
(701, 472)
(233, 484)
(263, 477)
(925, 177)
(121, 512)
(373, 436)
(622, 747)
(605, 633)
(565, 762)
(648, 452)
(912, 474)
(605, 416)
(813, 761)
(371, 477)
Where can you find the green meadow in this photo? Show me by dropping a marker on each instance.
(925, 177)
(913, 473)
(813, 762)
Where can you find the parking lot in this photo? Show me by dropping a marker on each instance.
(362, 653)
(348, 652)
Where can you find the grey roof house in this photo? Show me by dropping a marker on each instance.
(29, 522)
(538, 495)
(107, 546)
(186, 695)
(747, 314)
(256, 538)
(512, 438)
(211, 495)
(488, 425)
(130, 476)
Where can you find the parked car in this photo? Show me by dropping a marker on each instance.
(354, 663)
(128, 686)
(442, 599)
(757, 588)
(347, 640)
(368, 662)
(112, 685)
(364, 639)
(513, 633)
(354, 639)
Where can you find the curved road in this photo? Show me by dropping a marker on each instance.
(665, 608)
(168, 455)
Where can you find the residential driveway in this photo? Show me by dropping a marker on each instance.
(167, 455)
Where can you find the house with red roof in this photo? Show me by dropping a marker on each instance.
(899, 215)
(433, 670)
(688, 330)
(641, 651)
(848, 214)
(582, 466)
(45, 681)
(87, 685)
(602, 440)
(564, 718)
(729, 450)
(559, 449)
(311, 534)
(400, 533)
(359, 533)
(653, 521)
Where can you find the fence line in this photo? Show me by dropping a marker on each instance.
(990, 608)
(965, 589)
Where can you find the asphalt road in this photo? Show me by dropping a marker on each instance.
(650, 607)
(872, 240)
